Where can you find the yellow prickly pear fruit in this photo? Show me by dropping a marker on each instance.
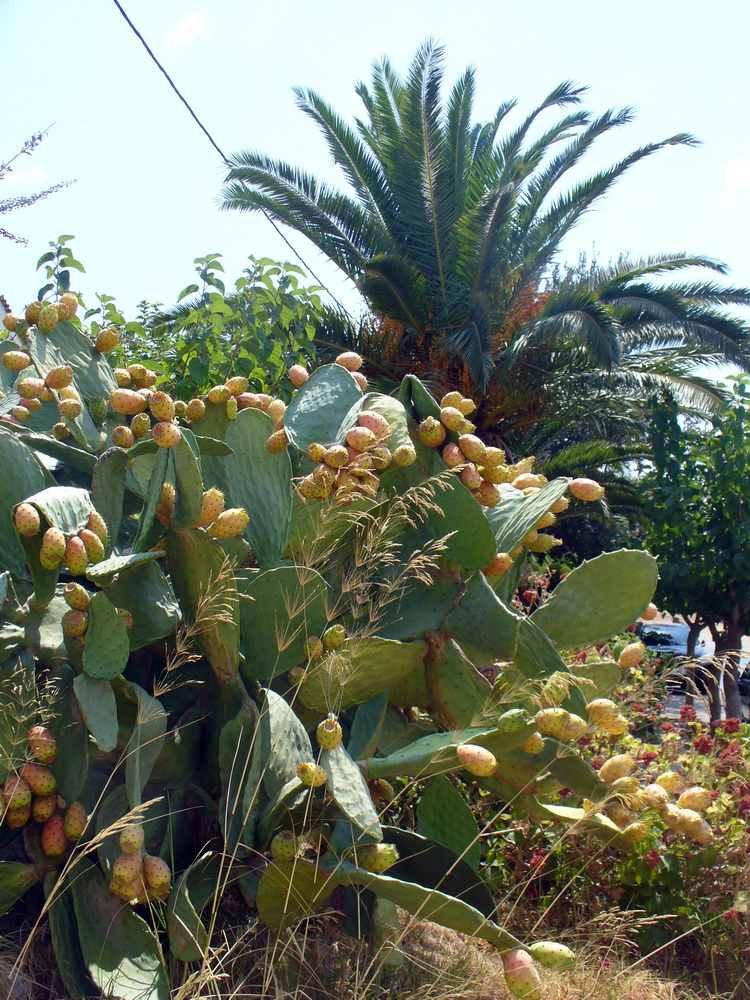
(552, 955)
(52, 549)
(16, 361)
(635, 832)
(476, 760)
(701, 833)
(671, 816)
(213, 505)
(70, 301)
(349, 360)
(473, 447)
(431, 432)
(76, 558)
(695, 798)
(30, 388)
(620, 766)
(218, 394)
(122, 377)
(76, 596)
(619, 814)
(328, 733)
(70, 408)
(26, 519)
(466, 406)
(122, 436)
(20, 413)
(336, 457)
(560, 505)
(32, 405)
(616, 725)
(553, 721)
(575, 728)
(196, 409)
(75, 821)
(33, 311)
(93, 545)
(237, 385)
(298, 375)
(381, 458)
(276, 409)
(16, 793)
(166, 435)
(451, 399)
(107, 340)
(127, 402)
(499, 565)
(284, 846)
(313, 648)
(670, 781)
(626, 785)
(10, 322)
(229, 523)
(654, 797)
(451, 417)
(18, 818)
(42, 745)
(404, 455)
(48, 320)
(632, 655)
(132, 839)
(311, 774)
(42, 807)
(161, 406)
(75, 623)
(532, 744)
(98, 525)
(127, 867)
(650, 613)
(180, 409)
(277, 443)
(601, 708)
(140, 425)
(59, 378)
(317, 452)
(377, 858)
(586, 489)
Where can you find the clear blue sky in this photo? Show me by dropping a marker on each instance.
(148, 182)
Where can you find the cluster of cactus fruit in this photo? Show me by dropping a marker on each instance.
(248, 615)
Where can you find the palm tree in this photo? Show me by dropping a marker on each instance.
(451, 231)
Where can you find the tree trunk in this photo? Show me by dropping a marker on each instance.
(690, 686)
(728, 649)
(713, 687)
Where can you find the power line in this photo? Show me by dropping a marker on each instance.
(210, 138)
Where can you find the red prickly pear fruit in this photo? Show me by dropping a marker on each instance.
(361, 381)
(16, 793)
(42, 807)
(17, 818)
(75, 821)
(52, 549)
(93, 545)
(230, 523)
(196, 409)
(127, 402)
(70, 408)
(360, 438)
(336, 456)
(404, 455)
(26, 519)
(476, 760)
(470, 476)
(156, 872)
(39, 778)
(247, 401)
(328, 734)
(552, 955)
(129, 892)
(122, 437)
(127, 867)
(76, 596)
(284, 846)
(76, 558)
(277, 443)
(264, 401)
(298, 375)
(377, 858)
(16, 361)
(632, 655)
(499, 565)
(473, 447)
(311, 774)
(587, 490)
(431, 432)
(107, 340)
(451, 417)
(213, 505)
(166, 435)
(42, 745)
(453, 456)
(376, 423)
(132, 839)
(161, 406)
(521, 976)
(47, 320)
(54, 841)
(98, 525)
(349, 360)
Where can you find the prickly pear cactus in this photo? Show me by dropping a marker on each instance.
(230, 613)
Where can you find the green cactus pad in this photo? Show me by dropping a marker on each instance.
(599, 598)
(261, 483)
(598, 826)
(444, 816)
(66, 507)
(126, 961)
(23, 476)
(17, 706)
(91, 370)
(210, 446)
(536, 657)
(108, 491)
(420, 608)
(512, 520)
(416, 397)
(320, 407)
(605, 675)
(66, 725)
(288, 891)
(198, 568)
(485, 627)
(241, 764)
(572, 771)
(103, 574)
(429, 904)
(160, 472)
(188, 484)
(366, 727)
(146, 741)
(64, 452)
(284, 743)
(64, 934)
(459, 696)
(188, 937)
(147, 594)
(348, 789)
(280, 609)
(107, 648)
(96, 701)
(472, 544)
(359, 670)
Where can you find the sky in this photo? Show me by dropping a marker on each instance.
(148, 182)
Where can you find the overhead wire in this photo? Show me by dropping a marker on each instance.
(218, 149)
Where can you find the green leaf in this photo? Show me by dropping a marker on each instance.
(599, 598)
(445, 817)
(261, 483)
(107, 648)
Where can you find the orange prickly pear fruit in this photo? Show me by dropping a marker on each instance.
(349, 360)
(52, 549)
(166, 435)
(107, 340)
(26, 519)
(42, 745)
(76, 558)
